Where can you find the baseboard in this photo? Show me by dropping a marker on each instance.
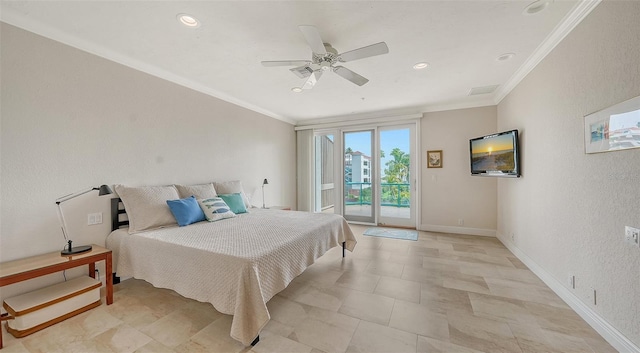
(458, 230)
(597, 322)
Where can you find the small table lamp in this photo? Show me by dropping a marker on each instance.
(69, 250)
(265, 182)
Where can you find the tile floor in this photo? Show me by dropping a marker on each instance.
(442, 293)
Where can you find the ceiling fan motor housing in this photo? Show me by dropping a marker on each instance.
(331, 55)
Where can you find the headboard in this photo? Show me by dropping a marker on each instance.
(116, 211)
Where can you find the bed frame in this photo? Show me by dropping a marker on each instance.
(116, 211)
(117, 223)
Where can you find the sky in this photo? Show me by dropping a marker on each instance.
(498, 143)
(624, 120)
(389, 139)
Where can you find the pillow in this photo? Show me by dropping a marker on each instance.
(201, 191)
(232, 187)
(215, 209)
(147, 207)
(235, 202)
(186, 211)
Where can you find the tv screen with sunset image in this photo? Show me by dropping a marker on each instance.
(495, 154)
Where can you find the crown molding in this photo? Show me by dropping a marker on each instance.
(570, 21)
(11, 17)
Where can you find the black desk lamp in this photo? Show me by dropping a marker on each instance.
(69, 250)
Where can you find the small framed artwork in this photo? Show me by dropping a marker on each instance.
(434, 159)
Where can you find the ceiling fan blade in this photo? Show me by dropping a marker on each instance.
(312, 35)
(364, 52)
(286, 63)
(350, 75)
(312, 80)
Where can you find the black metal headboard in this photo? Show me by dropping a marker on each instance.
(116, 211)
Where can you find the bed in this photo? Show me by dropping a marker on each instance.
(236, 264)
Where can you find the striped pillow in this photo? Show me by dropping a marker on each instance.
(215, 209)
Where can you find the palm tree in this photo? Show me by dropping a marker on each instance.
(397, 171)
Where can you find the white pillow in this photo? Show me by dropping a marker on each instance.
(201, 191)
(232, 187)
(147, 206)
(215, 209)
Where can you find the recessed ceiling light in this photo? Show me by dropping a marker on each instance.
(296, 89)
(420, 66)
(188, 20)
(505, 56)
(536, 7)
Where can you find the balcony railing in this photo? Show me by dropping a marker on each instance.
(393, 194)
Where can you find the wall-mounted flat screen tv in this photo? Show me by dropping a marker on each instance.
(495, 155)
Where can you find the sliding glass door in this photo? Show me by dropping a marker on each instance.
(379, 176)
(396, 185)
(358, 189)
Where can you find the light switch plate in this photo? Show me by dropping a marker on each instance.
(94, 218)
(632, 235)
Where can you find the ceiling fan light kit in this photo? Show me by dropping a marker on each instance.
(324, 58)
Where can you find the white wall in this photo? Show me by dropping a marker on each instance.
(450, 193)
(71, 120)
(569, 209)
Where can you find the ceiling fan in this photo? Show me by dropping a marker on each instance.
(324, 58)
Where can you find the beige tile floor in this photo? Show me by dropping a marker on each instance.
(442, 293)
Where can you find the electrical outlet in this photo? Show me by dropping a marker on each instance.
(460, 221)
(632, 235)
(571, 281)
(513, 237)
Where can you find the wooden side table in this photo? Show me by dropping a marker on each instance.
(31, 267)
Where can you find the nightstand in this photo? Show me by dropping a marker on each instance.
(284, 208)
(24, 269)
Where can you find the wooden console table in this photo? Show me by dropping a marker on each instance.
(36, 266)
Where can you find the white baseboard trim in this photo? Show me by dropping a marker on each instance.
(597, 322)
(457, 230)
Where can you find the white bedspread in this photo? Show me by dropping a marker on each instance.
(236, 264)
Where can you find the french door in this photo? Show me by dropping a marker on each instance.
(379, 176)
(358, 187)
(397, 182)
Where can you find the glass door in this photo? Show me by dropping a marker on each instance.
(396, 185)
(359, 193)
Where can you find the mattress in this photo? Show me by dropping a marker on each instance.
(236, 264)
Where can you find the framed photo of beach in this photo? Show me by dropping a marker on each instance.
(614, 128)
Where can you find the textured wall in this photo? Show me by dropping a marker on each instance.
(450, 193)
(569, 209)
(71, 120)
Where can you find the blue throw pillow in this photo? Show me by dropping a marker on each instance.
(235, 202)
(186, 211)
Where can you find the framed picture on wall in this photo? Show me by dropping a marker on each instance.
(614, 128)
(434, 159)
